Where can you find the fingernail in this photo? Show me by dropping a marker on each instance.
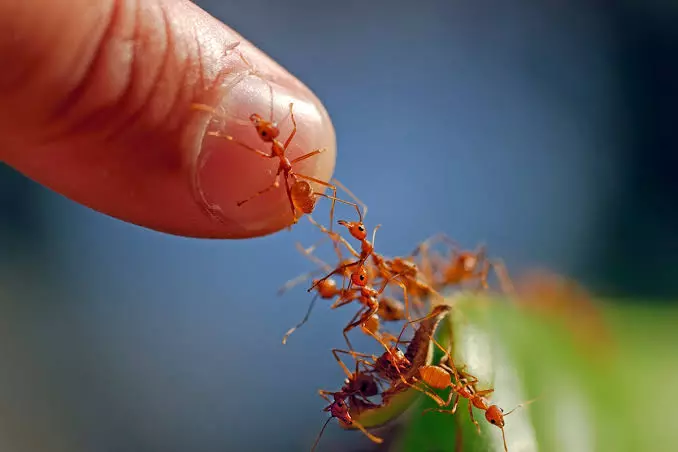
(230, 173)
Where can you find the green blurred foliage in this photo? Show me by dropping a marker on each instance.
(609, 387)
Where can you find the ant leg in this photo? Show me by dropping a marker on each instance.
(362, 316)
(274, 185)
(503, 276)
(347, 329)
(362, 215)
(295, 281)
(313, 258)
(374, 234)
(374, 439)
(294, 129)
(335, 353)
(442, 237)
(405, 299)
(431, 394)
(419, 320)
(335, 237)
(241, 144)
(333, 272)
(344, 301)
(454, 395)
(304, 320)
(334, 190)
(308, 155)
(288, 191)
(323, 393)
(470, 413)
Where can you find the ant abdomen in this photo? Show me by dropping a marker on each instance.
(327, 288)
(301, 193)
(436, 377)
(372, 324)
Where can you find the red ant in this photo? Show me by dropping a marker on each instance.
(360, 276)
(300, 194)
(440, 377)
(339, 409)
(386, 268)
(335, 237)
(400, 368)
(358, 231)
(369, 298)
(417, 288)
(358, 386)
(367, 316)
(465, 265)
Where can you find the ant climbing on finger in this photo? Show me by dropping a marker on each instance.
(300, 193)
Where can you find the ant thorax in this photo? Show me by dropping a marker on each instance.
(368, 292)
(469, 263)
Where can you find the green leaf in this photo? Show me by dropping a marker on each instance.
(595, 392)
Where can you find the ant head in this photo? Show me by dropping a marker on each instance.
(495, 416)
(339, 409)
(359, 277)
(355, 228)
(267, 130)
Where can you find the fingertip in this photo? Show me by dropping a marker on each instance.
(232, 182)
(131, 146)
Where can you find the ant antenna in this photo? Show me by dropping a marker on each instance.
(522, 405)
(317, 440)
(287, 115)
(354, 197)
(304, 320)
(374, 233)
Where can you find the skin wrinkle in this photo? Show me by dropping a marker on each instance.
(182, 94)
(74, 97)
(134, 99)
(112, 59)
(156, 75)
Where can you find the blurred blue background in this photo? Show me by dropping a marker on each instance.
(545, 130)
